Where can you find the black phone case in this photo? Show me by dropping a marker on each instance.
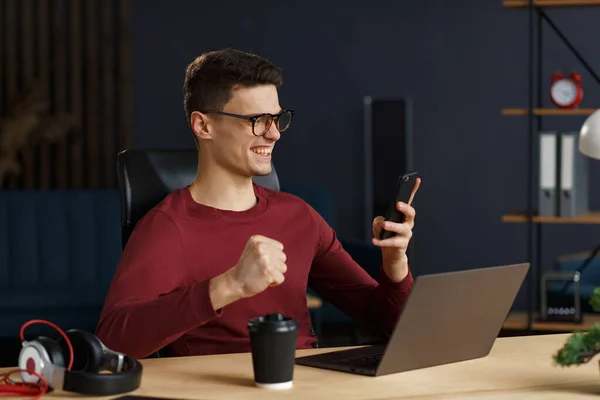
(404, 187)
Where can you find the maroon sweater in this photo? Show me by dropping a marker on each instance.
(159, 294)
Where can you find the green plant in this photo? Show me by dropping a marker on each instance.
(581, 347)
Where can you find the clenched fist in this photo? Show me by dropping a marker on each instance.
(262, 264)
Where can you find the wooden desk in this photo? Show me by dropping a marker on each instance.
(517, 320)
(313, 302)
(517, 368)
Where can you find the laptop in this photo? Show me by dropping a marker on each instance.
(448, 317)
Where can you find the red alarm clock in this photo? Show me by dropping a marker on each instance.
(566, 92)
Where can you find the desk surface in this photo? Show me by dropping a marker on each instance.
(517, 368)
(313, 302)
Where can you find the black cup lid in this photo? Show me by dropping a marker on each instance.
(272, 323)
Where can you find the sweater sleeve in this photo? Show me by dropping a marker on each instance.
(150, 303)
(339, 279)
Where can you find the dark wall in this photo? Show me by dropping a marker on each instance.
(461, 62)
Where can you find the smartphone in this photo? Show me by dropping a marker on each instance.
(404, 188)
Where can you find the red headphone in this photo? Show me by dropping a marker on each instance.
(74, 363)
(24, 388)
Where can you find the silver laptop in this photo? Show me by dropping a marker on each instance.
(448, 317)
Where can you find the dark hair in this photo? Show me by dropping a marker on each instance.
(210, 78)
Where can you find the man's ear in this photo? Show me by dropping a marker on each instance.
(200, 124)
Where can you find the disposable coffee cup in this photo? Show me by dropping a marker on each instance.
(273, 343)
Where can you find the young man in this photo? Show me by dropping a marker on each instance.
(223, 250)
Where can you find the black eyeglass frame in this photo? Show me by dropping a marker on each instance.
(255, 118)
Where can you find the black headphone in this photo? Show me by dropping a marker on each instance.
(47, 357)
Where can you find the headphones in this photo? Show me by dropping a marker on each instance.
(74, 363)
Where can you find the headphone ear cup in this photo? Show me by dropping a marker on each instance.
(31, 358)
(54, 351)
(87, 350)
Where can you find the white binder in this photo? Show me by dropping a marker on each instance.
(574, 170)
(547, 194)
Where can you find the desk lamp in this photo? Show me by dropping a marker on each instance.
(589, 136)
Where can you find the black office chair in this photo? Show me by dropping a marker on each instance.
(147, 176)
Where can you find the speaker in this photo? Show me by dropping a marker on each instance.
(388, 153)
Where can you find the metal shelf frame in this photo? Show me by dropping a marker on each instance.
(537, 18)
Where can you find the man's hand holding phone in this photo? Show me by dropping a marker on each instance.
(395, 244)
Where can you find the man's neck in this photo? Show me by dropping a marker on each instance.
(217, 188)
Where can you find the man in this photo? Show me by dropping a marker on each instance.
(213, 255)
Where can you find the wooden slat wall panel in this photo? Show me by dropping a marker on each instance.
(2, 58)
(108, 93)
(125, 78)
(28, 63)
(76, 56)
(59, 92)
(76, 97)
(92, 120)
(11, 59)
(43, 21)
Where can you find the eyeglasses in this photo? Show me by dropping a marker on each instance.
(262, 123)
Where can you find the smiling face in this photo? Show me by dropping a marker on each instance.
(230, 142)
(230, 81)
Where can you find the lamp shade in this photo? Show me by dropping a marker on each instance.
(589, 136)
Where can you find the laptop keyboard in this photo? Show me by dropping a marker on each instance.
(369, 361)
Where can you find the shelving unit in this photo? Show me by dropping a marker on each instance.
(535, 111)
(551, 3)
(548, 111)
(588, 218)
(517, 321)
